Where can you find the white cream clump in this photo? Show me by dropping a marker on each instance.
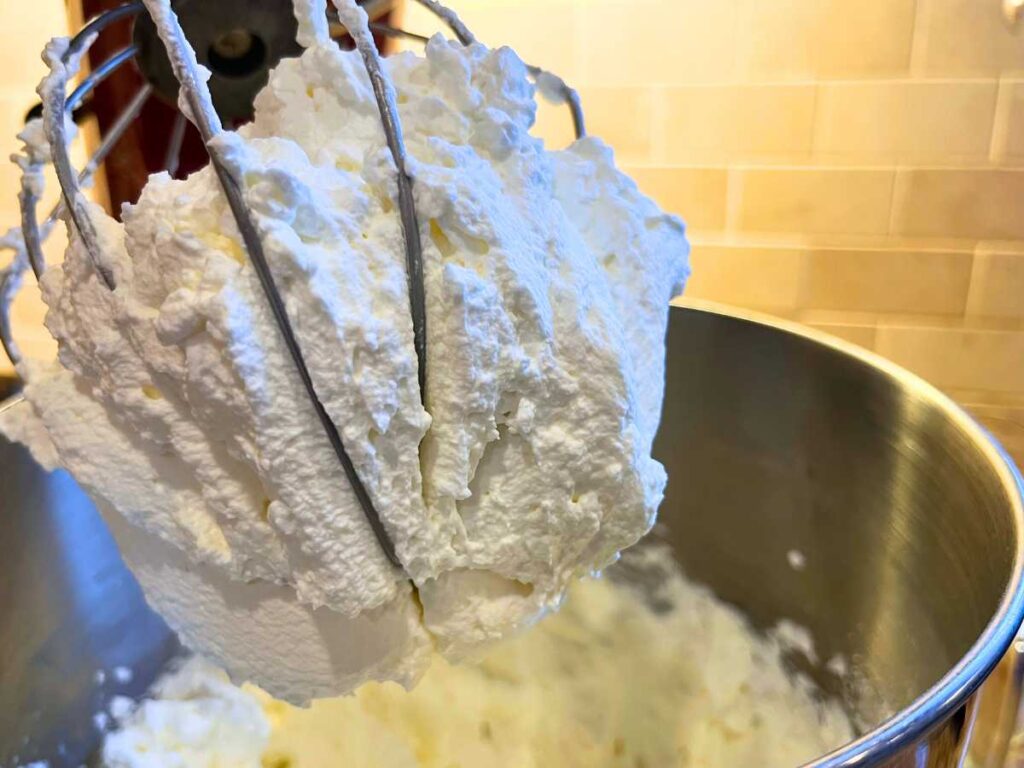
(195, 717)
(548, 277)
(606, 681)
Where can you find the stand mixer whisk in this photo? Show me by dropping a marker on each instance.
(166, 56)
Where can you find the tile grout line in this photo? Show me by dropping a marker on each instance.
(999, 143)
(973, 283)
(735, 182)
(898, 197)
(659, 125)
(816, 124)
(919, 39)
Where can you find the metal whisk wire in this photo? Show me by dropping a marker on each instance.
(27, 244)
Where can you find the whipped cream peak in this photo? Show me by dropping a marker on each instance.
(175, 404)
(311, 16)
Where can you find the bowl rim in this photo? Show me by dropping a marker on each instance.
(938, 703)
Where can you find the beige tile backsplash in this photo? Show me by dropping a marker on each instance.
(856, 166)
(965, 203)
(967, 38)
(637, 41)
(815, 201)
(997, 283)
(807, 39)
(905, 120)
(735, 123)
(933, 282)
(769, 278)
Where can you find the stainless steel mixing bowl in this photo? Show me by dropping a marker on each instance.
(775, 439)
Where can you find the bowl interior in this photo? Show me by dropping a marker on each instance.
(778, 444)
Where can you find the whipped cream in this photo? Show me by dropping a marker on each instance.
(195, 717)
(175, 404)
(605, 681)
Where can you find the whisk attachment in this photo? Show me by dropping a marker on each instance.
(197, 106)
(200, 111)
(25, 242)
(449, 17)
(10, 283)
(355, 20)
(55, 126)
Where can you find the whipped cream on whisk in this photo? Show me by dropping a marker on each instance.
(548, 277)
